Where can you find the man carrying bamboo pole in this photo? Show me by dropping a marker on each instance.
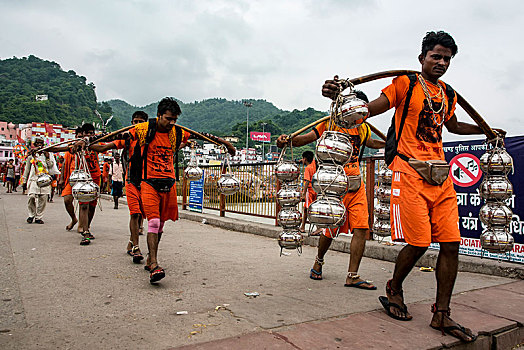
(134, 201)
(423, 203)
(355, 202)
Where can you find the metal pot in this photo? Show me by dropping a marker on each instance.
(291, 239)
(330, 180)
(85, 191)
(43, 180)
(496, 240)
(79, 175)
(287, 171)
(382, 211)
(334, 147)
(289, 218)
(495, 214)
(288, 196)
(496, 161)
(352, 112)
(227, 184)
(384, 175)
(193, 173)
(496, 187)
(382, 228)
(327, 212)
(383, 194)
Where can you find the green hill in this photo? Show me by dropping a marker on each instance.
(72, 100)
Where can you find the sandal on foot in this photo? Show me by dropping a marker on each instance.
(387, 304)
(157, 273)
(88, 235)
(314, 274)
(85, 239)
(360, 284)
(137, 256)
(457, 327)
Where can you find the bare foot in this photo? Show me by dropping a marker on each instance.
(72, 224)
(443, 322)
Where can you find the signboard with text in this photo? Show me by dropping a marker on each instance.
(196, 195)
(260, 136)
(463, 158)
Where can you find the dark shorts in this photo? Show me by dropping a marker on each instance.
(117, 188)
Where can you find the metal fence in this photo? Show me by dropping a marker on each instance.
(259, 187)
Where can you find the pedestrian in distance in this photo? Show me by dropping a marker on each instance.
(38, 163)
(117, 179)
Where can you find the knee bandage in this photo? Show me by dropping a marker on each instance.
(153, 225)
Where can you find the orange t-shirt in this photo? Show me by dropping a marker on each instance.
(160, 155)
(421, 137)
(92, 163)
(357, 136)
(310, 170)
(105, 170)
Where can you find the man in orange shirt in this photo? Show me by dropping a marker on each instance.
(421, 212)
(158, 140)
(105, 176)
(355, 202)
(134, 202)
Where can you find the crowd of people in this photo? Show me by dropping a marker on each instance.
(421, 213)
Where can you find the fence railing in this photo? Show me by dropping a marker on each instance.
(259, 187)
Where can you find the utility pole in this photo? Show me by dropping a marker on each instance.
(247, 104)
(263, 154)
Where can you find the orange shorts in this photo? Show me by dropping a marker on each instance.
(311, 196)
(422, 213)
(162, 205)
(134, 202)
(357, 215)
(67, 190)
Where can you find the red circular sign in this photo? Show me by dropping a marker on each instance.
(465, 170)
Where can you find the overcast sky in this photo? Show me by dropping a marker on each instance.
(281, 51)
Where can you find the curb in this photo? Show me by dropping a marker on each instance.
(374, 250)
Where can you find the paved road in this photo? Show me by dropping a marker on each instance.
(57, 294)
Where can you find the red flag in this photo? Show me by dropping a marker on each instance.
(48, 129)
(20, 140)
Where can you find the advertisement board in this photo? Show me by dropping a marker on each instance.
(463, 158)
(196, 194)
(260, 136)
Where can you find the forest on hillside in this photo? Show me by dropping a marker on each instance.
(71, 99)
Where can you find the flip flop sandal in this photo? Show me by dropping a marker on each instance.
(387, 304)
(85, 240)
(137, 256)
(314, 272)
(156, 274)
(448, 330)
(359, 285)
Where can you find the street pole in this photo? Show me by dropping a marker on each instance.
(263, 154)
(247, 104)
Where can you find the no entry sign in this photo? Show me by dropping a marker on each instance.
(465, 170)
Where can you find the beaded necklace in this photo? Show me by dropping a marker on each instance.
(443, 106)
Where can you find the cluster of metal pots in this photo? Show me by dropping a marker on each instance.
(288, 197)
(330, 181)
(382, 224)
(495, 189)
(83, 187)
(193, 172)
(228, 184)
